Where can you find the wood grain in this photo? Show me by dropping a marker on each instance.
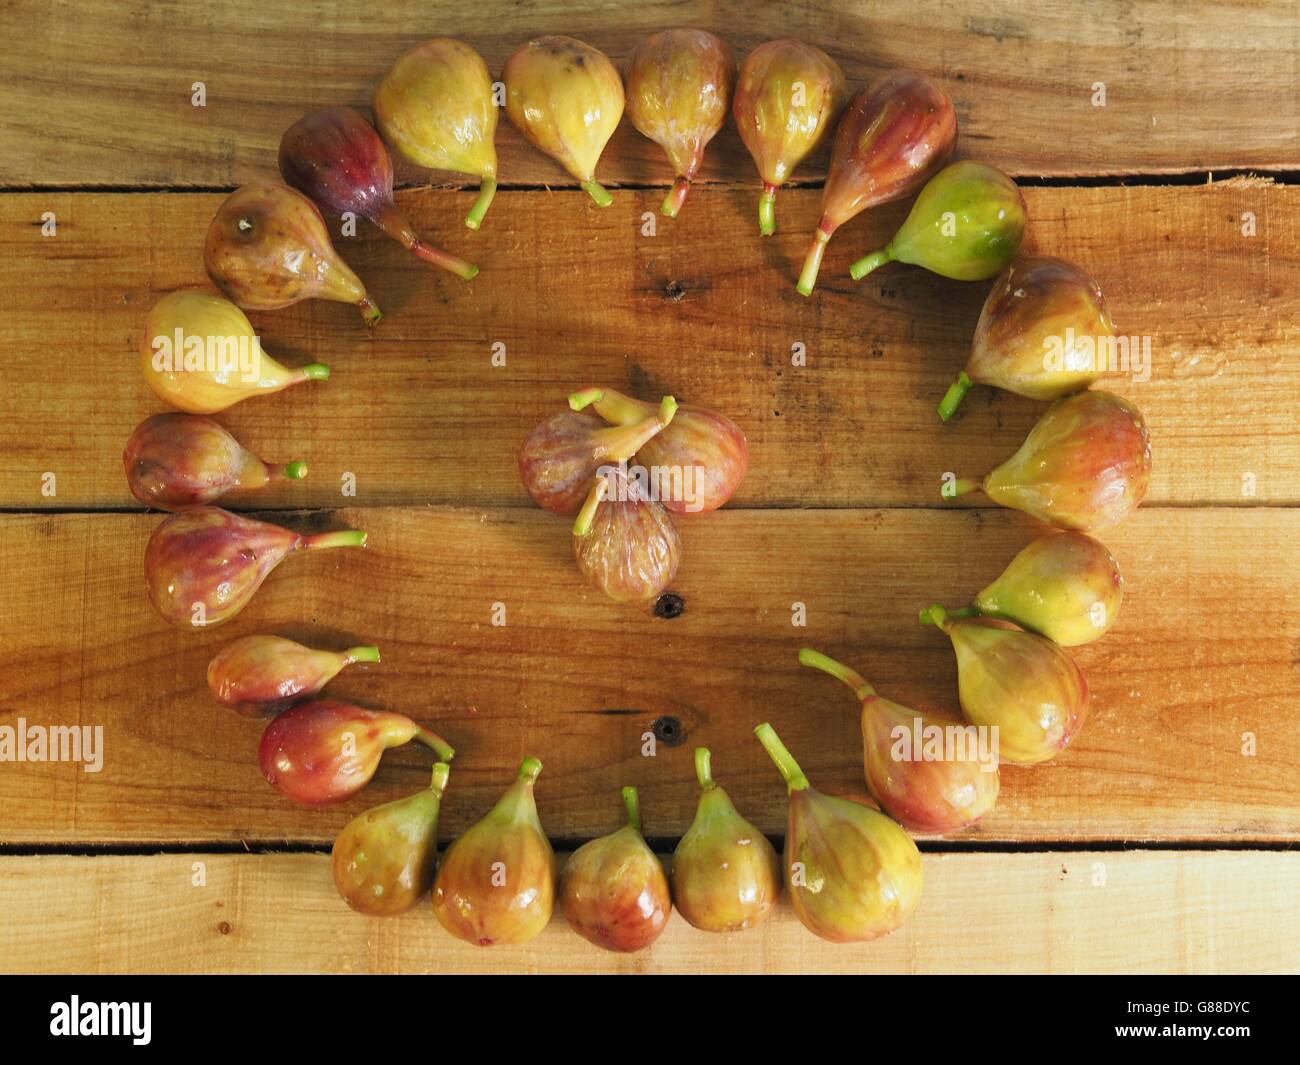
(1189, 86)
(1199, 670)
(704, 309)
(1084, 912)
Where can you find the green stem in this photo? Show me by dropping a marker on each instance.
(935, 615)
(585, 398)
(436, 743)
(854, 679)
(955, 394)
(370, 311)
(867, 263)
(316, 371)
(767, 210)
(598, 193)
(529, 769)
(441, 771)
(704, 768)
(619, 443)
(369, 653)
(486, 190)
(587, 513)
(618, 409)
(396, 225)
(960, 487)
(812, 263)
(676, 196)
(292, 471)
(343, 538)
(633, 806)
(971, 611)
(776, 750)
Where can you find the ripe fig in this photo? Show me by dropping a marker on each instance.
(1043, 333)
(613, 890)
(853, 874)
(384, 860)
(260, 676)
(496, 883)
(203, 564)
(967, 224)
(199, 353)
(326, 751)
(625, 543)
(787, 96)
(725, 875)
(336, 157)
(1085, 464)
(267, 248)
(435, 108)
(679, 85)
(566, 98)
(928, 773)
(892, 138)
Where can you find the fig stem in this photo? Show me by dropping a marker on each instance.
(767, 210)
(851, 677)
(436, 743)
(370, 311)
(955, 394)
(486, 190)
(971, 611)
(812, 263)
(368, 653)
(291, 471)
(935, 615)
(676, 196)
(620, 442)
(585, 398)
(633, 806)
(618, 409)
(587, 514)
(704, 768)
(776, 750)
(867, 263)
(598, 193)
(396, 225)
(441, 771)
(342, 538)
(316, 371)
(959, 487)
(529, 769)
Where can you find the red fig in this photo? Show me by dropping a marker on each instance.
(327, 751)
(893, 138)
(178, 460)
(625, 543)
(336, 157)
(202, 565)
(259, 676)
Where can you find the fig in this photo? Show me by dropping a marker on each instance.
(613, 890)
(853, 874)
(893, 137)
(199, 353)
(787, 96)
(203, 564)
(180, 460)
(559, 460)
(435, 108)
(967, 224)
(326, 751)
(725, 875)
(267, 248)
(260, 676)
(928, 773)
(1042, 334)
(384, 860)
(679, 85)
(696, 462)
(496, 883)
(625, 543)
(1085, 464)
(566, 98)
(336, 157)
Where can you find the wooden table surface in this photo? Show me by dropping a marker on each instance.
(1162, 840)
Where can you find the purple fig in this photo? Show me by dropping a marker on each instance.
(259, 676)
(625, 543)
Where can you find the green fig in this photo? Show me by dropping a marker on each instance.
(1018, 682)
(1085, 464)
(496, 883)
(383, 861)
(726, 876)
(854, 874)
(967, 224)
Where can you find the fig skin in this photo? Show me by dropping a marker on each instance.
(725, 875)
(625, 544)
(261, 676)
(679, 86)
(613, 890)
(496, 883)
(204, 383)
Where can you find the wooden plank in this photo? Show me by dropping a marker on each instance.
(1084, 912)
(83, 108)
(420, 415)
(1198, 671)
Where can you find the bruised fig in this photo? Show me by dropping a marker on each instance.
(267, 248)
(327, 751)
(566, 98)
(384, 860)
(967, 224)
(698, 459)
(679, 86)
(853, 874)
(929, 774)
(496, 883)
(1065, 586)
(336, 157)
(625, 543)
(1045, 332)
(787, 96)
(179, 460)
(559, 461)
(199, 353)
(259, 676)
(202, 565)
(613, 890)
(435, 108)
(1085, 464)
(726, 876)
(892, 138)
